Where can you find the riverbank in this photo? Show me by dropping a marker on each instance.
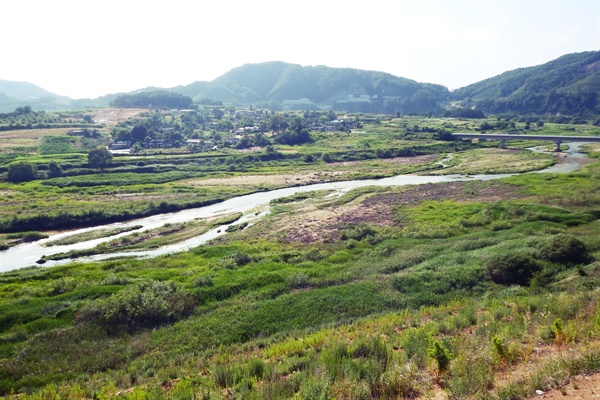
(35, 253)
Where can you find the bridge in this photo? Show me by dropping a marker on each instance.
(503, 137)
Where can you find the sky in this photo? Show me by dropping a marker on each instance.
(86, 49)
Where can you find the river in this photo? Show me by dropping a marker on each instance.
(253, 207)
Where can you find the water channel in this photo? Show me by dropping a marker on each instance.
(253, 206)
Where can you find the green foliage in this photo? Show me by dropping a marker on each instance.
(559, 331)
(500, 347)
(160, 99)
(561, 248)
(561, 86)
(271, 83)
(464, 113)
(144, 305)
(297, 134)
(358, 232)
(315, 388)
(21, 171)
(54, 169)
(298, 281)
(441, 355)
(99, 158)
(512, 269)
(57, 144)
(470, 377)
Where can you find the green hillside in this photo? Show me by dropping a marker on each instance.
(292, 86)
(15, 94)
(568, 85)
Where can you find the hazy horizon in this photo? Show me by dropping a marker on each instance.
(86, 50)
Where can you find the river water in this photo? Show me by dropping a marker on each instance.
(253, 207)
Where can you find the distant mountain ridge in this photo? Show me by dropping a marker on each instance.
(15, 94)
(294, 86)
(568, 85)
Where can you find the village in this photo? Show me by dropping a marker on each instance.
(209, 129)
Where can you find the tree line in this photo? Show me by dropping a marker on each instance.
(158, 99)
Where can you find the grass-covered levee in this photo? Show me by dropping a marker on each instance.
(462, 290)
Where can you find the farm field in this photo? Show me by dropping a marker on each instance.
(456, 290)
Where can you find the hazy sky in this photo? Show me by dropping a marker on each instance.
(95, 47)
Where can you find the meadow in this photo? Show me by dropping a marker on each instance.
(483, 290)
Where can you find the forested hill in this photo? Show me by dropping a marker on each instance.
(568, 85)
(291, 86)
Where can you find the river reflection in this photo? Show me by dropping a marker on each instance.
(253, 206)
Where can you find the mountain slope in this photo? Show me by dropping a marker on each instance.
(15, 94)
(292, 85)
(568, 85)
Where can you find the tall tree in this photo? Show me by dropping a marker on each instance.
(21, 172)
(99, 158)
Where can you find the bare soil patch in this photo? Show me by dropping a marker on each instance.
(311, 224)
(112, 116)
(582, 387)
(330, 172)
(458, 191)
(302, 178)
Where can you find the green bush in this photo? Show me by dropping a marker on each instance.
(441, 355)
(144, 305)
(315, 389)
(512, 269)
(297, 281)
(240, 258)
(21, 172)
(561, 248)
(358, 232)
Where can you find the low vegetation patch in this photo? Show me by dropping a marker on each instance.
(91, 235)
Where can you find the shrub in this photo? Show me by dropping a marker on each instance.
(203, 281)
(21, 172)
(512, 269)
(315, 389)
(561, 248)
(297, 281)
(373, 348)
(327, 157)
(146, 304)
(240, 258)
(441, 355)
(256, 368)
(358, 232)
(470, 377)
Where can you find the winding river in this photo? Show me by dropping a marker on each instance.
(253, 207)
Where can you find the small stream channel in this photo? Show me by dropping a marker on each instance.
(253, 206)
